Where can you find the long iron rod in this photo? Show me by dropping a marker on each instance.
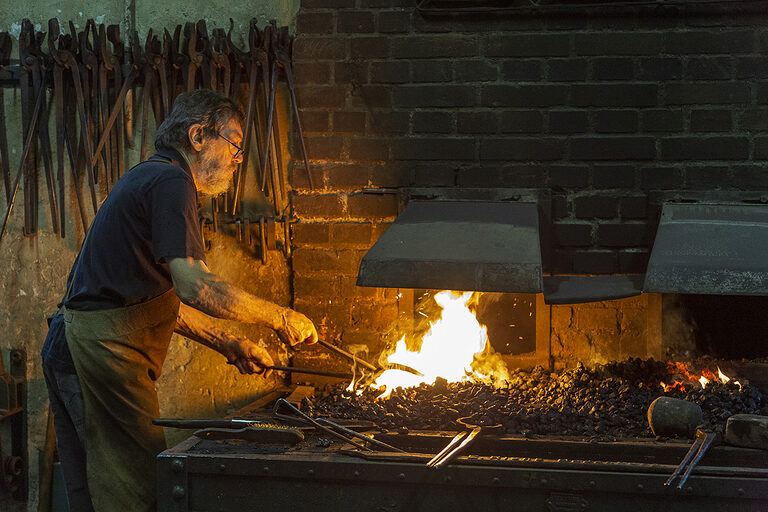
(27, 145)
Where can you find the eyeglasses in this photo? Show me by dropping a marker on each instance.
(238, 149)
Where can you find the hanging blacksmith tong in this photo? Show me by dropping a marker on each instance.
(253, 67)
(5, 168)
(58, 101)
(24, 156)
(221, 74)
(40, 64)
(193, 59)
(118, 53)
(29, 66)
(65, 57)
(283, 54)
(174, 60)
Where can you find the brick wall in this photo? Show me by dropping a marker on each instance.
(600, 109)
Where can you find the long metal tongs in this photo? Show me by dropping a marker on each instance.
(699, 447)
(366, 364)
(327, 426)
(447, 454)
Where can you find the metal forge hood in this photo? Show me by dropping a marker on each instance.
(458, 245)
(718, 249)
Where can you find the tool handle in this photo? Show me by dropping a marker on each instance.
(195, 423)
(346, 354)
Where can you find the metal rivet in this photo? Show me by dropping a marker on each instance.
(544, 481)
(592, 483)
(311, 472)
(356, 473)
(448, 479)
(265, 469)
(640, 487)
(177, 465)
(740, 492)
(401, 476)
(496, 480)
(689, 489)
(222, 467)
(178, 492)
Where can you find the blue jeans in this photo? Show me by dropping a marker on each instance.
(66, 399)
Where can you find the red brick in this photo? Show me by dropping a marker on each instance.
(349, 122)
(368, 148)
(314, 23)
(317, 121)
(321, 286)
(318, 96)
(310, 205)
(322, 260)
(346, 176)
(386, 176)
(331, 318)
(306, 72)
(299, 178)
(372, 205)
(349, 289)
(355, 22)
(323, 48)
(353, 233)
(595, 262)
(311, 233)
(322, 148)
(370, 338)
(365, 315)
(371, 96)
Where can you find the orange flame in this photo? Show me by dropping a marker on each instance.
(447, 349)
(681, 368)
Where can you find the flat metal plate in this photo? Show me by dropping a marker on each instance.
(579, 289)
(458, 245)
(717, 249)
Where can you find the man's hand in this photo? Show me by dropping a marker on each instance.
(296, 328)
(247, 356)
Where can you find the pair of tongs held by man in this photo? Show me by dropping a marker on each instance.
(292, 369)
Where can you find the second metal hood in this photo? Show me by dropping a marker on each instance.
(458, 245)
(706, 248)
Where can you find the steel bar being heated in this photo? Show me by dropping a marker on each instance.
(366, 364)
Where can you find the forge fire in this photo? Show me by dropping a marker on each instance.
(606, 403)
(464, 382)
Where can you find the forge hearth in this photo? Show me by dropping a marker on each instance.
(608, 402)
(571, 440)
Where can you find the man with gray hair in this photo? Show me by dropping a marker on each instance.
(140, 275)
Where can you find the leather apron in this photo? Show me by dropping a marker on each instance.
(119, 354)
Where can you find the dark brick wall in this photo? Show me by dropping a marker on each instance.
(600, 109)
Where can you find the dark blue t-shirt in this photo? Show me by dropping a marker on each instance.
(149, 217)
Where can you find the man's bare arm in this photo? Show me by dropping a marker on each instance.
(244, 354)
(202, 290)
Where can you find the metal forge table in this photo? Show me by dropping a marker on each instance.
(499, 473)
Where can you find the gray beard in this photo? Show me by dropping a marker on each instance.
(211, 180)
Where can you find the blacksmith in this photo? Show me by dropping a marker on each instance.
(140, 274)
